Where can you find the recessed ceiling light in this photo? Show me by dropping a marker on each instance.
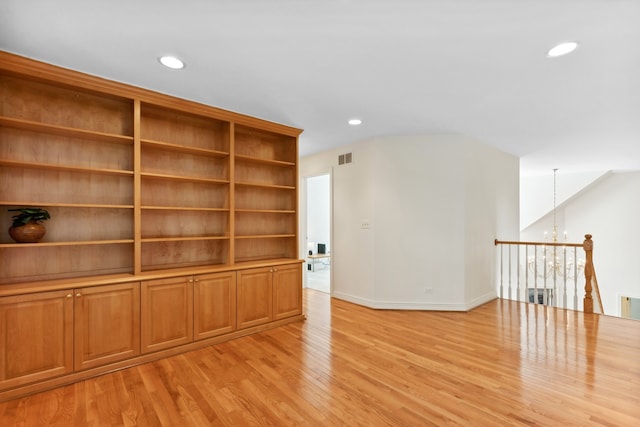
(355, 122)
(562, 49)
(171, 62)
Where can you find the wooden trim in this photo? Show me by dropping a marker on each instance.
(137, 189)
(14, 64)
(232, 194)
(297, 202)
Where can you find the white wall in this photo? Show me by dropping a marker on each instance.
(419, 232)
(610, 211)
(434, 204)
(538, 192)
(491, 211)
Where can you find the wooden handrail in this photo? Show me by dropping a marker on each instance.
(513, 242)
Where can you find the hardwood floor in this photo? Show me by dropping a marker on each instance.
(504, 363)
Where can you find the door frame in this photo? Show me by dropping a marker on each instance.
(304, 238)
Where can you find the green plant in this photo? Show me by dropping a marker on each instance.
(28, 215)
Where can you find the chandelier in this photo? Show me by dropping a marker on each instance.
(554, 261)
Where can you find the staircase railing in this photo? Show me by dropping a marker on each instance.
(548, 273)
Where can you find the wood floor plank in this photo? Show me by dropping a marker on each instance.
(504, 363)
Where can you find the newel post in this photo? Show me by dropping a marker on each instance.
(587, 245)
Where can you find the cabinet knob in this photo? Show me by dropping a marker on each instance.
(78, 295)
(190, 280)
(197, 280)
(275, 269)
(69, 295)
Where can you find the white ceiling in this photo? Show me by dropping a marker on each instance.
(405, 67)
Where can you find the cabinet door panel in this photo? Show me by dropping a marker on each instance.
(166, 313)
(214, 297)
(107, 324)
(36, 340)
(255, 297)
(287, 291)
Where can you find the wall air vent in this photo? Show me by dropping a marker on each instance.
(345, 158)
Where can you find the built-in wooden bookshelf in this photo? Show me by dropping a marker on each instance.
(185, 189)
(265, 195)
(152, 198)
(70, 151)
(138, 182)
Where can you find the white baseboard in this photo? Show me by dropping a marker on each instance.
(413, 305)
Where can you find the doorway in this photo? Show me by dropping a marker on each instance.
(318, 243)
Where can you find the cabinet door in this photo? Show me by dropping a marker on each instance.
(166, 313)
(107, 324)
(214, 300)
(36, 340)
(255, 297)
(287, 291)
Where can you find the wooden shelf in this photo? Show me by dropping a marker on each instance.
(184, 252)
(248, 260)
(260, 185)
(260, 160)
(76, 243)
(184, 130)
(185, 164)
(183, 178)
(265, 174)
(65, 107)
(265, 236)
(64, 131)
(64, 205)
(178, 239)
(276, 211)
(54, 167)
(183, 149)
(264, 198)
(266, 147)
(184, 194)
(181, 208)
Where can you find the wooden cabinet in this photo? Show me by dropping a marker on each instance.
(45, 336)
(36, 337)
(287, 291)
(269, 293)
(179, 310)
(166, 313)
(49, 334)
(106, 325)
(172, 224)
(255, 297)
(214, 300)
